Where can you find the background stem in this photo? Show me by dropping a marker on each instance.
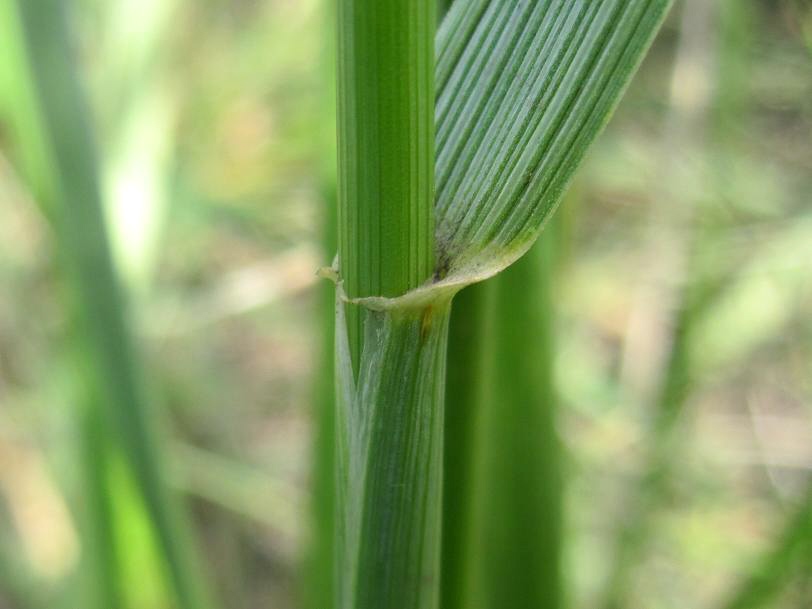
(466, 376)
(318, 590)
(502, 485)
(522, 511)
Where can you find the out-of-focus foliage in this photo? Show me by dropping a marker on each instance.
(213, 163)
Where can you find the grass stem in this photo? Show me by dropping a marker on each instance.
(385, 149)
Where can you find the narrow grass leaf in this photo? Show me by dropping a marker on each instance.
(523, 89)
(48, 116)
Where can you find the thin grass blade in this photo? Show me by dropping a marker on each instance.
(48, 115)
(523, 88)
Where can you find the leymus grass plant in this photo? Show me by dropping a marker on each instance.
(444, 180)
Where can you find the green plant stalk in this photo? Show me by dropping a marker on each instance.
(58, 156)
(319, 592)
(468, 371)
(524, 89)
(522, 487)
(390, 365)
(390, 460)
(502, 485)
(793, 546)
(103, 564)
(319, 578)
(385, 150)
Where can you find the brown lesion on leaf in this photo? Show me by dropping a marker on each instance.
(527, 178)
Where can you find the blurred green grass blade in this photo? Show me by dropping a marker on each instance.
(793, 547)
(736, 26)
(319, 591)
(467, 376)
(102, 564)
(52, 120)
(318, 580)
(19, 111)
(502, 486)
(521, 522)
(123, 567)
(144, 576)
(523, 88)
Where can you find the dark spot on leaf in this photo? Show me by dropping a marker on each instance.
(443, 263)
(425, 322)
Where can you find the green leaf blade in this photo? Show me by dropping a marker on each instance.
(533, 87)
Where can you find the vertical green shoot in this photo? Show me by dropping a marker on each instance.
(390, 364)
(385, 149)
(318, 578)
(521, 514)
(502, 487)
(469, 370)
(318, 592)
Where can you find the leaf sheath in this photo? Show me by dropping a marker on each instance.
(389, 459)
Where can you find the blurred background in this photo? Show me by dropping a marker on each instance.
(682, 293)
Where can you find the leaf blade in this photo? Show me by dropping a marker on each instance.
(532, 86)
